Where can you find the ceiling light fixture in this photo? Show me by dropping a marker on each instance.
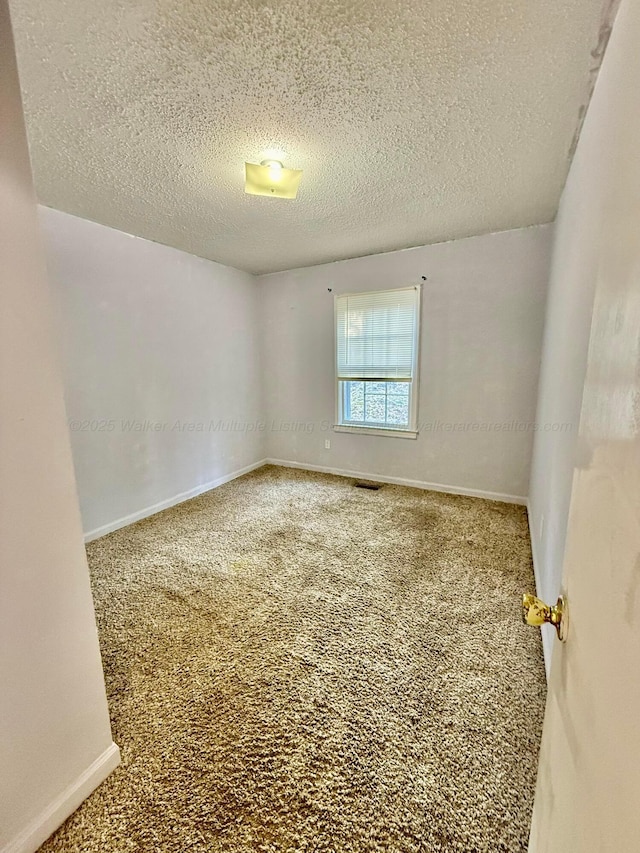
(272, 179)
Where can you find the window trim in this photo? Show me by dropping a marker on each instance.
(376, 430)
(391, 432)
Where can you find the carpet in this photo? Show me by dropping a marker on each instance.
(296, 664)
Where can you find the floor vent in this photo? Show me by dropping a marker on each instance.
(360, 484)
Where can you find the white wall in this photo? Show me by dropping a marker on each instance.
(158, 347)
(588, 787)
(180, 372)
(55, 739)
(482, 321)
(574, 272)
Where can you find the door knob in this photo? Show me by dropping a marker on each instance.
(536, 612)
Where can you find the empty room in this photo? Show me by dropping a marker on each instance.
(320, 426)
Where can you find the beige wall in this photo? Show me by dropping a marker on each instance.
(55, 739)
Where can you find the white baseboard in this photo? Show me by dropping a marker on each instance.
(547, 639)
(401, 481)
(37, 832)
(97, 532)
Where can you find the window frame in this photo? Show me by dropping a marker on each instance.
(411, 431)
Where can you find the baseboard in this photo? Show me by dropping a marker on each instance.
(37, 832)
(547, 640)
(401, 481)
(97, 532)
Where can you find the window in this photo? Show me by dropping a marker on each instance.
(377, 361)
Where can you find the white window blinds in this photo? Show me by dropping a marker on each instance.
(377, 335)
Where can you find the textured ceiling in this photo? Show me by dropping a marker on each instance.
(415, 121)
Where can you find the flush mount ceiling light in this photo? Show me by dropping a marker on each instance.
(271, 178)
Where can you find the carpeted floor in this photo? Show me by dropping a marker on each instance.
(295, 664)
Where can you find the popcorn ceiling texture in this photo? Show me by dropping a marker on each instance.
(294, 664)
(415, 121)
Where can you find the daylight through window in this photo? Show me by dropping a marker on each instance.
(376, 358)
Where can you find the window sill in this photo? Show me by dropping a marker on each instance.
(390, 433)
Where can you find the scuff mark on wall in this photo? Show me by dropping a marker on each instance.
(609, 13)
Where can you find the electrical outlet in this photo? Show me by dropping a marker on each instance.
(327, 444)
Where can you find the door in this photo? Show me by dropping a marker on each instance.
(588, 792)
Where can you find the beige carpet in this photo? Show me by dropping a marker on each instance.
(295, 664)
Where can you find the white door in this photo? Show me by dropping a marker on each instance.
(588, 793)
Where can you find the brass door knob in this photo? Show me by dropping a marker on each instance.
(536, 612)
